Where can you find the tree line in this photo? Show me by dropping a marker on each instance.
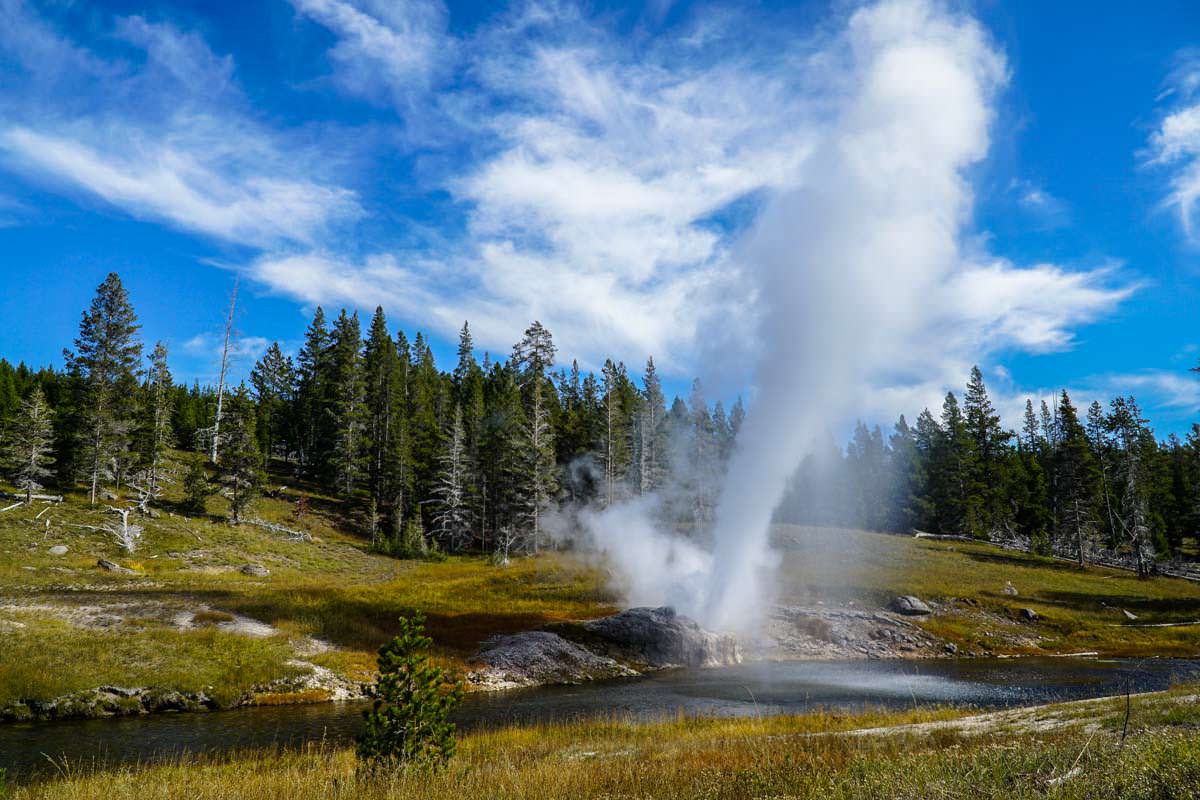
(474, 458)
(467, 459)
(1090, 485)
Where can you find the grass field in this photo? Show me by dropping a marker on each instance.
(1079, 609)
(1074, 751)
(66, 625)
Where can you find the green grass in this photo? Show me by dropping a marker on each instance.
(221, 664)
(331, 588)
(776, 757)
(1080, 609)
(334, 589)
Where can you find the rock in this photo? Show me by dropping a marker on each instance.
(909, 606)
(1129, 615)
(58, 550)
(658, 637)
(1029, 615)
(1010, 590)
(537, 658)
(105, 494)
(105, 564)
(257, 570)
(951, 648)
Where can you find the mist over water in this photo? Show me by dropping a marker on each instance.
(847, 268)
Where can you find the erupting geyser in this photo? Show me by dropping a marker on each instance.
(846, 266)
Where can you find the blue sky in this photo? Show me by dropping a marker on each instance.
(596, 166)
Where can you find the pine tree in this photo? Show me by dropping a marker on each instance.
(1135, 451)
(1074, 484)
(453, 517)
(241, 463)
(532, 357)
(703, 458)
(196, 486)
(31, 444)
(1030, 434)
(651, 433)
(103, 369)
(614, 447)
(312, 400)
(412, 699)
(989, 443)
(347, 407)
(155, 434)
(907, 478)
(273, 378)
(469, 395)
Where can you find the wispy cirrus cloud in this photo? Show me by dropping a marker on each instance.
(386, 50)
(1174, 144)
(597, 181)
(173, 141)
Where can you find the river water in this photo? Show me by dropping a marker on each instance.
(27, 750)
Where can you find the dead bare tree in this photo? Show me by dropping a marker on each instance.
(216, 429)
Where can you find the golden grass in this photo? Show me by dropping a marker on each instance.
(778, 757)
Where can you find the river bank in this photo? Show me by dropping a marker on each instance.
(1143, 747)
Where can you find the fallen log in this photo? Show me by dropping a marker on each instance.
(52, 498)
(293, 535)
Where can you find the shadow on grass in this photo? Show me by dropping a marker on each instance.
(1169, 609)
(1012, 559)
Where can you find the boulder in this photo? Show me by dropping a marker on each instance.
(1010, 590)
(256, 570)
(535, 658)
(658, 637)
(105, 564)
(1029, 615)
(58, 550)
(909, 606)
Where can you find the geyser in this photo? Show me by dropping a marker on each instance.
(843, 266)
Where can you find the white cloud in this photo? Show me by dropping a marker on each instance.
(173, 140)
(595, 204)
(1174, 145)
(1046, 210)
(386, 49)
(156, 180)
(605, 187)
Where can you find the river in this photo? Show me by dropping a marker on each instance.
(26, 750)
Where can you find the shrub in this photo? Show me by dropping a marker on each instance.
(406, 724)
(196, 487)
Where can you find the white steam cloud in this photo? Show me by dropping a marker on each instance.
(849, 267)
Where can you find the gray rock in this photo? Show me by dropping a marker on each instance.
(1009, 589)
(951, 648)
(658, 637)
(537, 658)
(909, 606)
(105, 564)
(1029, 615)
(257, 570)
(58, 550)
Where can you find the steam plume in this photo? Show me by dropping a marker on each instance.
(844, 266)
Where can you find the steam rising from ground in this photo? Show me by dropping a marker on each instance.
(851, 269)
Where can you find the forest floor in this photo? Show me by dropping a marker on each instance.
(1143, 748)
(186, 617)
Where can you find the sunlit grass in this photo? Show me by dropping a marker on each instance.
(1080, 609)
(774, 757)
